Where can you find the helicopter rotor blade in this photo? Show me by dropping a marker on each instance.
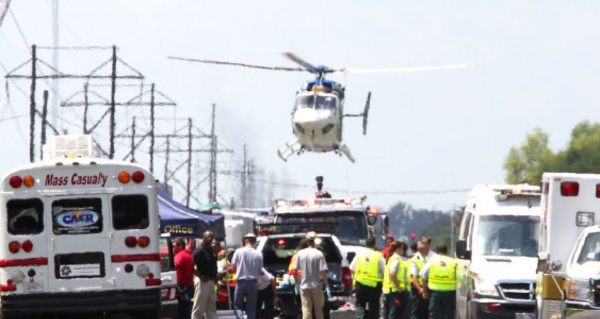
(309, 67)
(409, 69)
(246, 65)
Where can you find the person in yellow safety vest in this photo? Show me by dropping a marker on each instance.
(226, 284)
(419, 305)
(439, 280)
(368, 269)
(395, 282)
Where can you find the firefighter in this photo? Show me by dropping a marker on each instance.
(439, 280)
(368, 272)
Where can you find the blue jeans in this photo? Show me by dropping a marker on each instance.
(245, 288)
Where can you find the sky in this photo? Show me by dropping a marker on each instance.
(431, 135)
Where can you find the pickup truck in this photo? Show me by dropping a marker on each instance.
(277, 251)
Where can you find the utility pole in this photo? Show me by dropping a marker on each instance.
(244, 178)
(212, 175)
(113, 90)
(32, 105)
(55, 43)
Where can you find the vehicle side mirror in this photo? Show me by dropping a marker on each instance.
(385, 221)
(461, 250)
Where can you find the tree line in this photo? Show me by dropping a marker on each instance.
(524, 164)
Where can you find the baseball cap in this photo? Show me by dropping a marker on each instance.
(311, 235)
(250, 235)
(389, 236)
(230, 250)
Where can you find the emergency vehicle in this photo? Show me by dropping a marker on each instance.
(569, 254)
(497, 252)
(80, 236)
(353, 221)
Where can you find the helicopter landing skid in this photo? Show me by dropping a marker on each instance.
(343, 149)
(289, 150)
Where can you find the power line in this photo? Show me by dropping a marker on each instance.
(370, 192)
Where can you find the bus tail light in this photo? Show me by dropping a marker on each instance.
(15, 181)
(10, 286)
(130, 241)
(27, 246)
(569, 188)
(128, 268)
(143, 241)
(14, 246)
(28, 181)
(137, 177)
(124, 177)
(151, 281)
(347, 275)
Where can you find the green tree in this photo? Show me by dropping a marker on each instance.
(583, 153)
(527, 163)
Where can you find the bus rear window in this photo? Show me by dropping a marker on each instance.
(77, 216)
(130, 212)
(25, 216)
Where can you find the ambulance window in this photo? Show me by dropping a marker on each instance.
(465, 225)
(130, 212)
(25, 216)
(77, 216)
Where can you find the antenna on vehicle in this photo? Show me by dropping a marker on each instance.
(320, 193)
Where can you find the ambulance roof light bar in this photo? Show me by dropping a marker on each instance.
(323, 202)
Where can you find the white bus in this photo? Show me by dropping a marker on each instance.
(79, 235)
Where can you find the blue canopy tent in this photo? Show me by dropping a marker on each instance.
(179, 220)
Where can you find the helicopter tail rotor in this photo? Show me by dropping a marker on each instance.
(366, 113)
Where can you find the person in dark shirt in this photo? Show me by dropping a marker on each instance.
(184, 265)
(205, 268)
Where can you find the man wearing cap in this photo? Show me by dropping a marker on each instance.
(368, 269)
(247, 264)
(311, 263)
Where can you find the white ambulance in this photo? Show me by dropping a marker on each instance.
(569, 254)
(497, 252)
(80, 235)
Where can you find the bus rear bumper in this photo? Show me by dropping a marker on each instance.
(81, 302)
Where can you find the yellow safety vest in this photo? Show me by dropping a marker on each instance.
(231, 276)
(419, 264)
(367, 269)
(388, 284)
(442, 274)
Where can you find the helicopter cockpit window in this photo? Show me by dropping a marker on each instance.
(328, 102)
(305, 101)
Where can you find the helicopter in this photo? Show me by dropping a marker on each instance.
(318, 111)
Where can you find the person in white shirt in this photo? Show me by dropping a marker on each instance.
(267, 295)
(419, 299)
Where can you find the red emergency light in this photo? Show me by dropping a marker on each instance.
(569, 189)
